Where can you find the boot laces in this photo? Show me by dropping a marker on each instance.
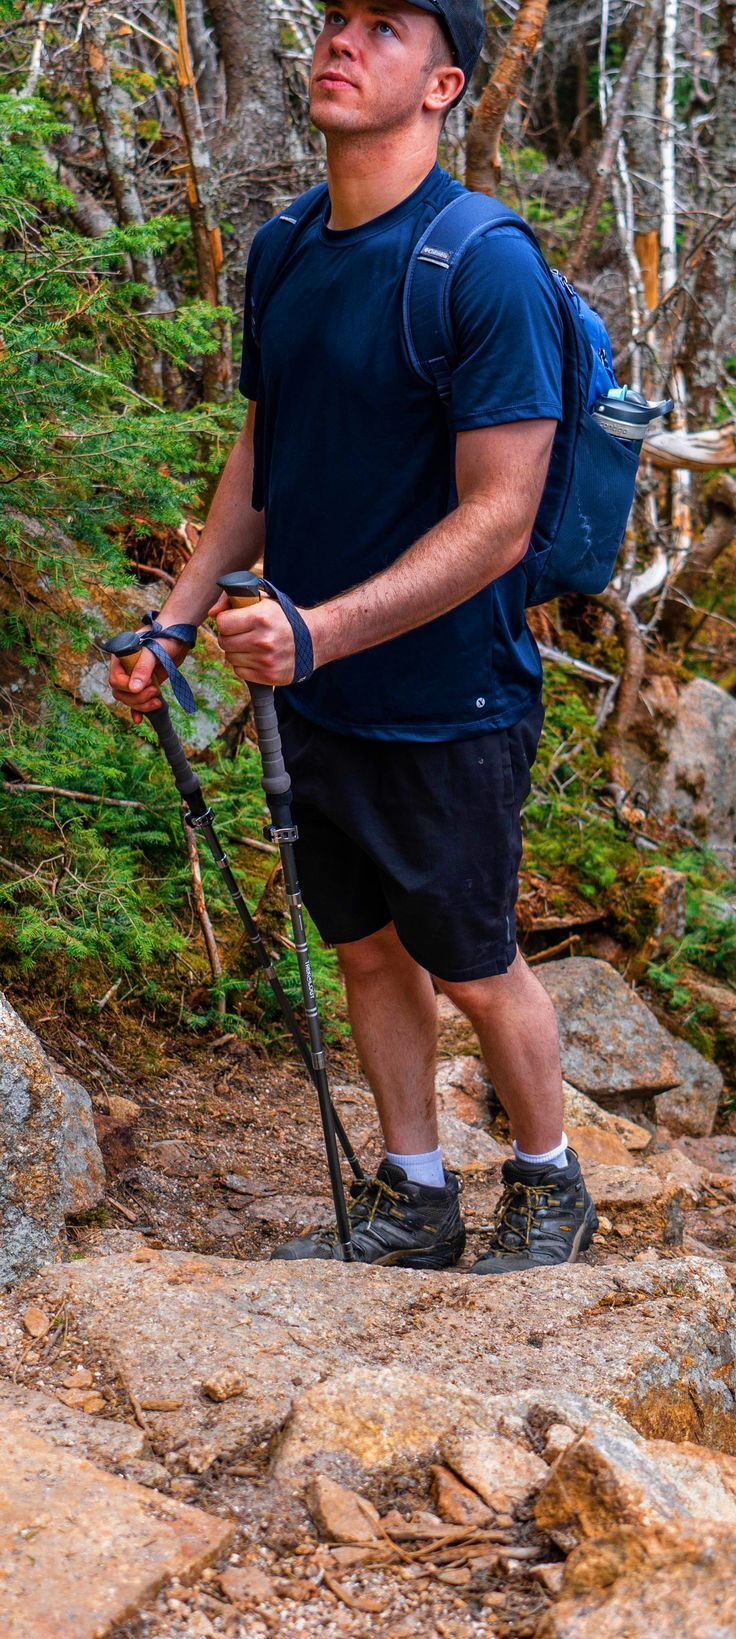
(368, 1196)
(519, 1202)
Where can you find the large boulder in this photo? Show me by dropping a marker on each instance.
(101, 1546)
(689, 1109)
(49, 1161)
(681, 1586)
(653, 1340)
(610, 1042)
(684, 782)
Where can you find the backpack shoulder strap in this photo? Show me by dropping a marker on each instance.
(432, 267)
(277, 245)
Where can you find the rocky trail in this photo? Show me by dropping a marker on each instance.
(199, 1442)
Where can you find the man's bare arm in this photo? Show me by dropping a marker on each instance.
(500, 473)
(232, 538)
(500, 476)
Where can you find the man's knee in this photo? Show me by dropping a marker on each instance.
(479, 998)
(365, 958)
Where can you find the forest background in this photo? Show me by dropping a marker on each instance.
(140, 148)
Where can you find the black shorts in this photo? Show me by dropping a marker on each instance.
(427, 836)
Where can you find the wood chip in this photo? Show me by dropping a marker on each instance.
(80, 1378)
(369, 1603)
(161, 1403)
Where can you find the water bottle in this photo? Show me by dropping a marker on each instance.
(627, 415)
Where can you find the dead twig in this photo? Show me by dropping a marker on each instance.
(150, 569)
(200, 906)
(15, 787)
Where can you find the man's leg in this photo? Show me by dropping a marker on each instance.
(545, 1215)
(515, 1022)
(409, 1214)
(393, 1018)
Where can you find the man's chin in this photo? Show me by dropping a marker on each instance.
(328, 118)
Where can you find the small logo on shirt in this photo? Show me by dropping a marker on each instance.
(480, 702)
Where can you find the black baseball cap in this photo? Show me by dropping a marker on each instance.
(465, 23)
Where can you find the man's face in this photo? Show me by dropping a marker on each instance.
(370, 67)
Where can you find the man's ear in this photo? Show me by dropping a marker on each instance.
(445, 85)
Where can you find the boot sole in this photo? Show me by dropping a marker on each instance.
(436, 1257)
(583, 1237)
(581, 1241)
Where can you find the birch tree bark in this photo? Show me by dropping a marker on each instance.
(617, 108)
(120, 161)
(711, 328)
(681, 488)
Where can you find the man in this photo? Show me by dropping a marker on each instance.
(399, 537)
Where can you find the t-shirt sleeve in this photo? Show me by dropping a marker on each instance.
(250, 364)
(508, 334)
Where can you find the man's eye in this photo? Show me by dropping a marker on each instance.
(385, 25)
(334, 17)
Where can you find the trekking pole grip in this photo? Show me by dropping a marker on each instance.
(244, 589)
(127, 647)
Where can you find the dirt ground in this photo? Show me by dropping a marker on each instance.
(224, 1157)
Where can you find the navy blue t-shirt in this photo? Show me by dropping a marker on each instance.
(354, 457)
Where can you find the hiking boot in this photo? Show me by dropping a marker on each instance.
(544, 1216)
(393, 1221)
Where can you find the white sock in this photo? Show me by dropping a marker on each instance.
(550, 1158)
(421, 1169)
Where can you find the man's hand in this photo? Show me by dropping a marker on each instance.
(140, 691)
(257, 642)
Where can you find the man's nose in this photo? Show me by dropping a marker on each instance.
(346, 42)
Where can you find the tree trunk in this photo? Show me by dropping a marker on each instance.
(711, 329)
(210, 81)
(202, 201)
(677, 615)
(256, 150)
(483, 163)
(617, 109)
(120, 160)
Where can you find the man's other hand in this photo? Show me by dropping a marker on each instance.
(257, 642)
(141, 692)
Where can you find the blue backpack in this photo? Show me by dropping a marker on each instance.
(595, 474)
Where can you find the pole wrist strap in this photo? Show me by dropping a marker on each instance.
(303, 650)
(183, 634)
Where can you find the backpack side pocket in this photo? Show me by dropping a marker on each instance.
(582, 555)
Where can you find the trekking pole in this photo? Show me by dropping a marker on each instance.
(242, 590)
(126, 646)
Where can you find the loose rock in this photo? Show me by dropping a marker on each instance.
(604, 1480)
(36, 1321)
(247, 1585)
(639, 1202)
(504, 1474)
(610, 1041)
(340, 1514)
(581, 1111)
(457, 1502)
(224, 1385)
(623, 1588)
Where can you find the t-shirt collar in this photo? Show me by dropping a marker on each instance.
(379, 224)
